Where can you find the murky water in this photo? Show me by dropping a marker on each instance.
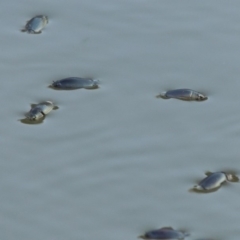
(114, 162)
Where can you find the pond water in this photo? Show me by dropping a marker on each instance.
(115, 162)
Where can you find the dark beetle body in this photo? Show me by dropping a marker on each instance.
(212, 181)
(35, 113)
(215, 180)
(183, 94)
(164, 233)
(38, 111)
(75, 83)
(36, 24)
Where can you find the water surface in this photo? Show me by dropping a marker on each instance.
(115, 162)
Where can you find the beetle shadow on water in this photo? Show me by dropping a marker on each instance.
(31, 122)
(194, 190)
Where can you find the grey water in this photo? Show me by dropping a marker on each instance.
(115, 162)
